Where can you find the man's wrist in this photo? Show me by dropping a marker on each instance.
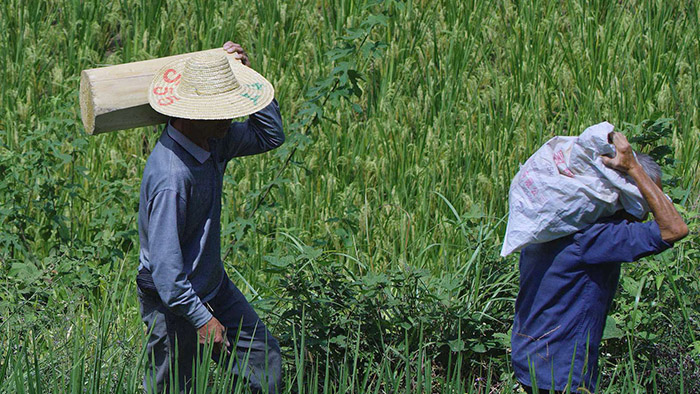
(635, 170)
(200, 316)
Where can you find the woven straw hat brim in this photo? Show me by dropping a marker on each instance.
(252, 94)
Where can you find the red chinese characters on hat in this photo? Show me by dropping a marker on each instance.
(170, 76)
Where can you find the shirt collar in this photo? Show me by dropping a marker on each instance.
(195, 150)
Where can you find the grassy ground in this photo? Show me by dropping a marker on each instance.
(375, 256)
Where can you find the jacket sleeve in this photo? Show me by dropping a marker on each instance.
(261, 132)
(166, 224)
(619, 242)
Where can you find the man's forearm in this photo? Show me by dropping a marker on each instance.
(670, 222)
(267, 124)
(185, 303)
(260, 133)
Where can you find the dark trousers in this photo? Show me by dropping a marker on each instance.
(256, 352)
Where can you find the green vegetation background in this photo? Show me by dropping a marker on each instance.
(374, 257)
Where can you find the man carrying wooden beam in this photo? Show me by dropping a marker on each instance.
(185, 295)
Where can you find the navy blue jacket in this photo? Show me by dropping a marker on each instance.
(566, 288)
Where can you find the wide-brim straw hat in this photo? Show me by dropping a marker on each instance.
(209, 86)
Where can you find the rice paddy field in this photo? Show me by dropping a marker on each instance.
(374, 254)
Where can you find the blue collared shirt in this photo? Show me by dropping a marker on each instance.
(180, 210)
(566, 288)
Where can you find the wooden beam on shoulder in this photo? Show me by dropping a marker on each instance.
(116, 97)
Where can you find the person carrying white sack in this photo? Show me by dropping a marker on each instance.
(567, 284)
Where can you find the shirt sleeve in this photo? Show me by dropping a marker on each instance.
(261, 132)
(620, 241)
(166, 224)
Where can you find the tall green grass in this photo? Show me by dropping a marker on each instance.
(457, 94)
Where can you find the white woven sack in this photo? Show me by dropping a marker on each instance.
(564, 187)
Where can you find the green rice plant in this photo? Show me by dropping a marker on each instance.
(396, 195)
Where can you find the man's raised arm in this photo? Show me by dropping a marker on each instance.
(671, 224)
(262, 131)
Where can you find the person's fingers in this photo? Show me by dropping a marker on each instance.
(236, 47)
(218, 340)
(607, 161)
(224, 337)
(620, 140)
(232, 47)
(237, 51)
(224, 345)
(226, 342)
